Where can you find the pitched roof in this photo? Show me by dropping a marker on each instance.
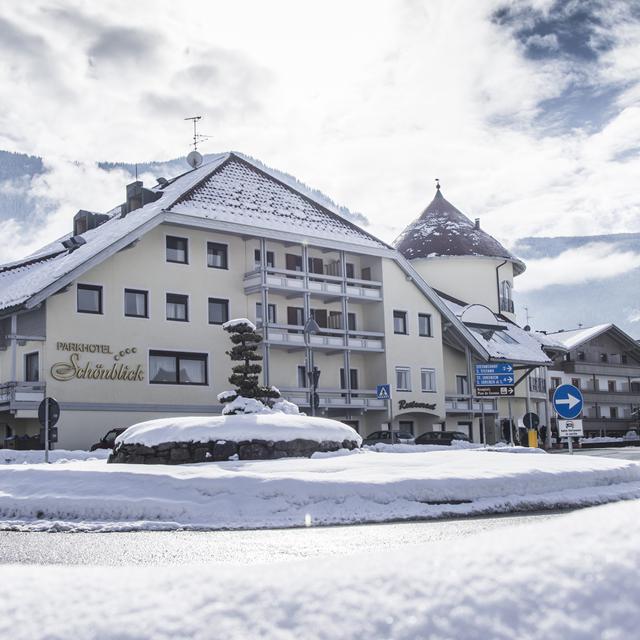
(443, 230)
(230, 189)
(577, 337)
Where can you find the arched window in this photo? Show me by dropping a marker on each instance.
(506, 299)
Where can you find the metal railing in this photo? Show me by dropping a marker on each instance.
(335, 398)
(12, 392)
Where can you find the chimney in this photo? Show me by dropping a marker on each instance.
(477, 225)
(86, 220)
(137, 197)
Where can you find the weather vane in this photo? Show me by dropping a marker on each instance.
(438, 184)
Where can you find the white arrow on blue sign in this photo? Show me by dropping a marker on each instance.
(383, 391)
(490, 380)
(498, 367)
(568, 401)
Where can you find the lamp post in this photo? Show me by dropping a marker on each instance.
(313, 373)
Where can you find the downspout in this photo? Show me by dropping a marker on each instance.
(498, 282)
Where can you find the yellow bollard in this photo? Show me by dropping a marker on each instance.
(533, 438)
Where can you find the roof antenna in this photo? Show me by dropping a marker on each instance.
(194, 159)
(438, 184)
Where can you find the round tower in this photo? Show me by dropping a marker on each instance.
(457, 258)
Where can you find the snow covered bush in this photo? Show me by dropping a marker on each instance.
(249, 396)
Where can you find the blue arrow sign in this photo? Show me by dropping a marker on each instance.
(485, 380)
(497, 367)
(568, 401)
(383, 392)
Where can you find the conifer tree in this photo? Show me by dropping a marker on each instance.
(246, 341)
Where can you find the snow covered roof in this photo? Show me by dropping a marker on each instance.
(230, 188)
(442, 230)
(503, 340)
(577, 337)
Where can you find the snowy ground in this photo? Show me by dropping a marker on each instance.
(574, 577)
(362, 486)
(58, 456)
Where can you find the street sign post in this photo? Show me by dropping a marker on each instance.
(496, 379)
(383, 392)
(568, 403)
(48, 416)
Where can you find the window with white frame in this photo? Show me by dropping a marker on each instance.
(174, 367)
(32, 367)
(271, 313)
(424, 325)
(403, 379)
(400, 322)
(462, 385)
(428, 379)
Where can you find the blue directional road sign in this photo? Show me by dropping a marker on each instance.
(492, 375)
(383, 392)
(568, 401)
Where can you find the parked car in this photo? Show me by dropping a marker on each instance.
(399, 437)
(107, 440)
(632, 434)
(441, 437)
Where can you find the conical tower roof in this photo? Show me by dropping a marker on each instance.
(442, 230)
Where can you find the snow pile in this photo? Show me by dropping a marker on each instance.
(561, 579)
(268, 425)
(58, 456)
(365, 487)
(600, 440)
(238, 322)
(455, 444)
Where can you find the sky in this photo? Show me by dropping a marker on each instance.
(527, 111)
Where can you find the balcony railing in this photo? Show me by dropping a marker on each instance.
(462, 404)
(321, 285)
(506, 305)
(12, 393)
(292, 336)
(336, 398)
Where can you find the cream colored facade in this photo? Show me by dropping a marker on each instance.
(75, 344)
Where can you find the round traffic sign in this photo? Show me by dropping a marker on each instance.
(531, 420)
(54, 411)
(568, 401)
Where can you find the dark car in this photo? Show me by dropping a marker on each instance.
(441, 437)
(107, 440)
(399, 437)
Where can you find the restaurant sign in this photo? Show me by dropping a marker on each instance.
(77, 367)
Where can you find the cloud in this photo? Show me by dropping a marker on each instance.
(118, 44)
(592, 262)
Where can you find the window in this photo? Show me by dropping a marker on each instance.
(271, 309)
(580, 355)
(172, 367)
(623, 358)
(555, 383)
(218, 311)
(575, 382)
(136, 303)
(503, 336)
(400, 322)
(351, 321)
(428, 379)
(365, 274)
(271, 261)
(315, 265)
(353, 379)
(603, 357)
(302, 377)
(612, 385)
(217, 255)
(32, 367)
(462, 385)
(424, 325)
(321, 317)
(403, 379)
(177, 307)
(295, 316)
(351, 272)
(405, 427)
(177, 250)
(293, 262)
(613, 412)
(89, 298)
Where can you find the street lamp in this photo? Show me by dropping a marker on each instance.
(313, 373)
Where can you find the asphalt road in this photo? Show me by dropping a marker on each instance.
(239, 547)
(624, 453)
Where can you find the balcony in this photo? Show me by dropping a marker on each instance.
(21, 395)
(462, 404)
(361, 399)
(506, 304)
(292, 337)
(292, 284)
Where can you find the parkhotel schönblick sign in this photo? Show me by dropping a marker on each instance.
(76, 367)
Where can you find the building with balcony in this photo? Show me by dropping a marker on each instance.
(121, 321)
(604, 363)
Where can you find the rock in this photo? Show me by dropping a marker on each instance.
(223, 451)
(178, 455)
(255, 451)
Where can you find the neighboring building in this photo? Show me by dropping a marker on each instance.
(473, 274)
(122, 320)
(604, 363)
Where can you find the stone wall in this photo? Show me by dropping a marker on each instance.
(217, 451)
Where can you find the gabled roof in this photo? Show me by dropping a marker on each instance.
(230, 189)
(577, 337)
(442, 230)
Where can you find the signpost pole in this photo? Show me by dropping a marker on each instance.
(510, 423)
(46, 431)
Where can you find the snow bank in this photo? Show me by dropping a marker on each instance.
(270, 426)
(10, 456)
(366, 487)
(561, 579)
